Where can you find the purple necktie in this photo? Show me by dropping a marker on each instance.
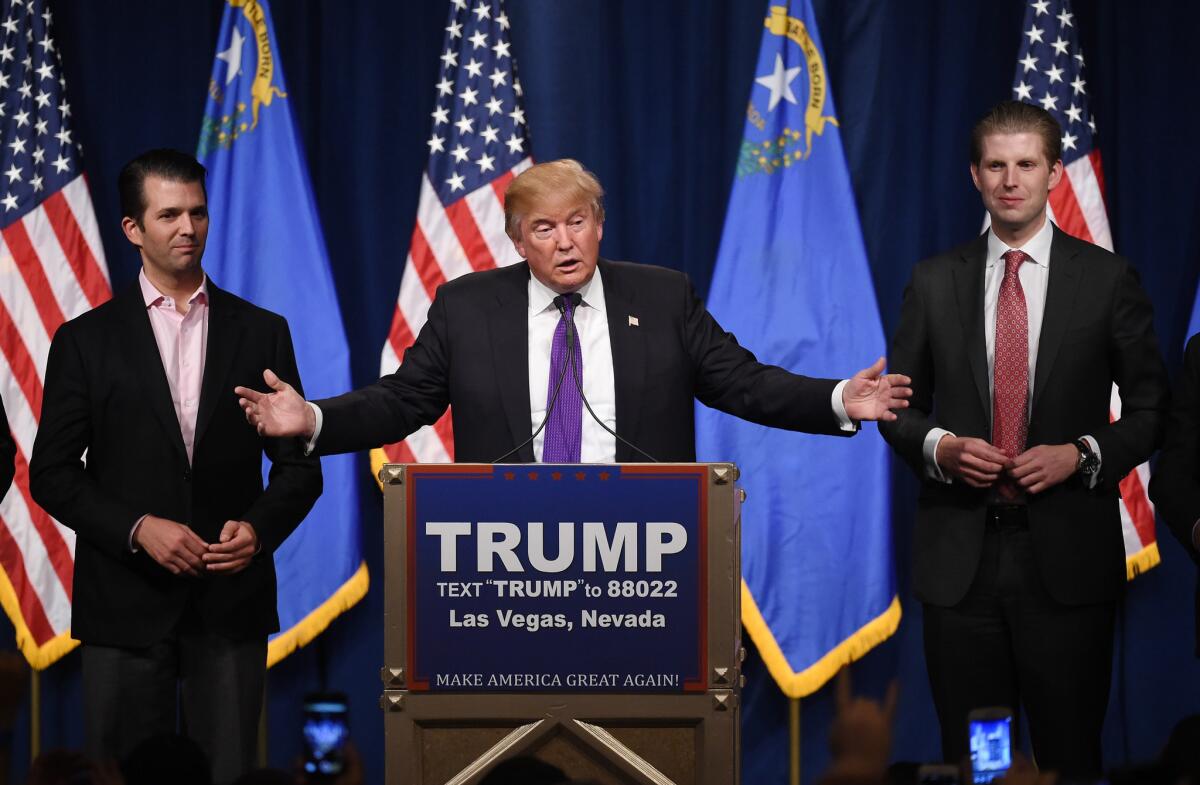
(564, 429)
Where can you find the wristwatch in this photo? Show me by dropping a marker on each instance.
(1089, 462)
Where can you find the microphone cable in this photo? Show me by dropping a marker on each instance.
(575, 371)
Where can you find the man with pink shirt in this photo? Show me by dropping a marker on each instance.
(144, 452)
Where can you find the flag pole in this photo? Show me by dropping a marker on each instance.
(794, 739)
(35, 714)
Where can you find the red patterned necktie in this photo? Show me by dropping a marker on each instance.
(1010, 369)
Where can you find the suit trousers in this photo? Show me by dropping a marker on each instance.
(1008, 643)
(194, 682)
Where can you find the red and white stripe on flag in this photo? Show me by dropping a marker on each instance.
(52, 268)
(438, 253)
(477, 144)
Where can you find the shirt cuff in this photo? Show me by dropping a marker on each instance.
(133, 533)
(932, 470)
(311, 444)
(839, 408)
(1091, 483)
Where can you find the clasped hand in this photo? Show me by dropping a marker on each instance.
(182, 552)
(980, 464)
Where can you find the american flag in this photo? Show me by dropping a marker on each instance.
(477, 144)
(52, 269)
(1050, 74)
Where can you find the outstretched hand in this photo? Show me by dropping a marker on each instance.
(279, 413)
(871, 394)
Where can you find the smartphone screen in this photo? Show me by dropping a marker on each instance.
(325, 733)
(991, 747)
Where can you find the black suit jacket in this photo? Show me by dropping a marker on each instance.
(1097, 329)
(106, 393)
(1175, 485)
(473, 355)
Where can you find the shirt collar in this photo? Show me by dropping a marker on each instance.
(541, 297)
(153, 297)
(1037, 249)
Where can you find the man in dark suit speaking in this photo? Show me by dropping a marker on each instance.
(1013, 342)
(142, 450)
(634, 345)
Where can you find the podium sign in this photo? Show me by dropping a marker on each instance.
(587, 615)
(557, 578)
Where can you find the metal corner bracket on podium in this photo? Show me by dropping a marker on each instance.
(584, 615)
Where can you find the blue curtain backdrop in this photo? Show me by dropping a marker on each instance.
(652, 96)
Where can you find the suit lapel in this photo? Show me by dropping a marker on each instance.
(509, 336)
(968, 289)
(224, 329)
(628, 352)
(1060, 299)
(148, 365)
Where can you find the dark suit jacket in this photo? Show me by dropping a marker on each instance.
(106, 392)
(1097, 329)
(1175, 485)
(473, 355)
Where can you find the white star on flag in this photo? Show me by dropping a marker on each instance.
(779, 82)
(233, 55)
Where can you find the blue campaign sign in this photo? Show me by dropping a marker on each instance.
(557, 578)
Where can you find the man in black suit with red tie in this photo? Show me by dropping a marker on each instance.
(143, 451)
(1013, 342)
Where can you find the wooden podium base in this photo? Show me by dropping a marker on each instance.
(611, 739)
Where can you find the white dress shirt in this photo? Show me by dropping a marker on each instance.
(1034, 275)
(599, 385)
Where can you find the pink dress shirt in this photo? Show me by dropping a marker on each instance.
(182, 339)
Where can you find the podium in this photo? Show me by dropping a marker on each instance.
(585, 615)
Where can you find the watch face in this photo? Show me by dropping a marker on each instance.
(1089, 463)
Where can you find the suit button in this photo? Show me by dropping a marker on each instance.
(187, 475)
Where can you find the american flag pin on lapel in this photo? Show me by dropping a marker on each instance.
(633, 321)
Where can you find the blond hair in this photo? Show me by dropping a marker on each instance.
(565, 179)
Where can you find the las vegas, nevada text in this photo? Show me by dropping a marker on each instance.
(499, 544)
